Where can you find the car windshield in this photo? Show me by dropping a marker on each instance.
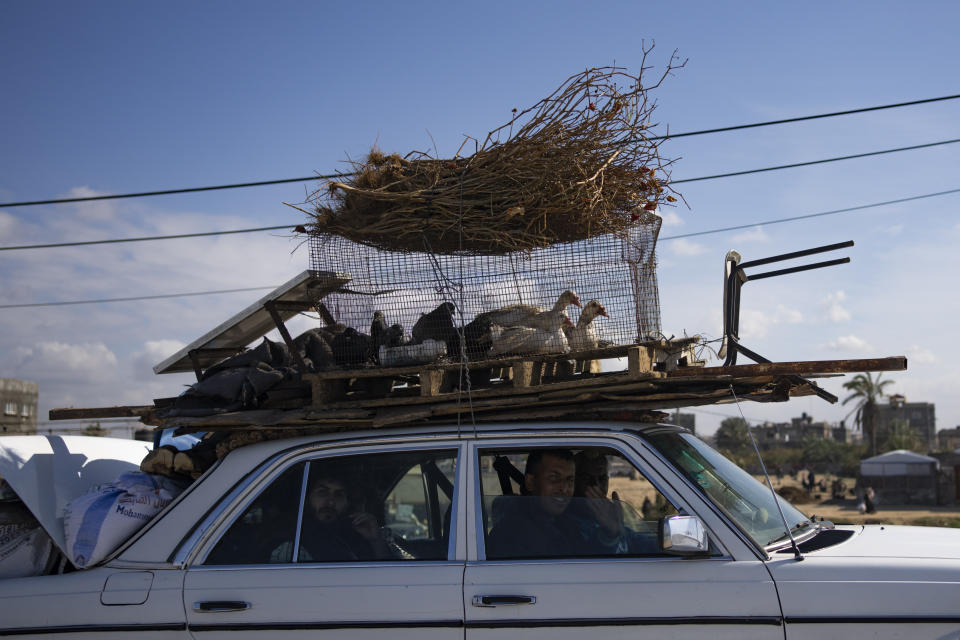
(746, 501)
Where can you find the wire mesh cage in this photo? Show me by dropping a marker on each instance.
(405, 307)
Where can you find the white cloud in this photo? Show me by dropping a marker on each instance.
(892, 230)
(755, 325)
(671, 219)
(685, 248)
(153, 351)
(850, 343)
(61, 361)
(97, 210)
(757, 234)
(7, 223)
(919, 355)
(833, 307)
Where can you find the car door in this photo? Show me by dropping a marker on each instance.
(293, 560)
(617, 586)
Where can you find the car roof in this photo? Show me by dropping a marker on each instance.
(466, 431)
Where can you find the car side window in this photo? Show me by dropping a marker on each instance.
(361, 508)
(264, 524)
(559, 502)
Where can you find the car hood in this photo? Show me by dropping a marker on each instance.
(47, 472)
(894, 541)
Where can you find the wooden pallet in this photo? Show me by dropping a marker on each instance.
(443, 379)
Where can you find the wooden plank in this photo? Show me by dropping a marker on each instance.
(523, 374)
(324, 392)
(805, 367)
(639, 361)
(135, 411)
(430, 383)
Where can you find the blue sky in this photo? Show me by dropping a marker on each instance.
(113, 97)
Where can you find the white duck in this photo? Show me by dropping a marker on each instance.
(531, 340)
(528, 315)
(583, 337)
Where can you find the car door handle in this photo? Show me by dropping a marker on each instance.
(502, 601)
(215, 606)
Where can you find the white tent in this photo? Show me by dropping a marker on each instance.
(898, 463)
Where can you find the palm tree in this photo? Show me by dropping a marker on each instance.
(866, 390)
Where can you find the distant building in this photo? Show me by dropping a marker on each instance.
(686, 420)
(18, 401)
(920, 416)
(949, 439)
(771, 435)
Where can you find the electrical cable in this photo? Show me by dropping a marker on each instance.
(668, 136)
(166, 192)
(146, 238)
(294, 226)
(802, 118)
(813, 162)
(130, 298)
(677, 237)
(809, 215)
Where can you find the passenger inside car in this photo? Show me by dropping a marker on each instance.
(563, 508)
(543, 525)
(334, 529)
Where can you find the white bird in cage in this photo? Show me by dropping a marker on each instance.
(584, 336)
(531, 340)
(528, 315)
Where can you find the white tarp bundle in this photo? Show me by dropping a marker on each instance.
(46, 473)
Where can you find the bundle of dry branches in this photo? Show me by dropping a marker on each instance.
(578, 164)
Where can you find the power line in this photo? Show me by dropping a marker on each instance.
(677, 237)
(130, 299)
(146, 238)
(295, 226)
(261, 183)
(166, 192)
(802, 118)
(811, 215)
(812, 162)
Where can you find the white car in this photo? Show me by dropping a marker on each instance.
(462, 533)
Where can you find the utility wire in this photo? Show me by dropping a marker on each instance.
(144, 194)
(802, 118)
(146, 238)
(294, 226)
(677, 237)
(810, 215)
(812, 162)
(340, 175)
(130, 299)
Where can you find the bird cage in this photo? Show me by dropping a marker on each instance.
(407, 307)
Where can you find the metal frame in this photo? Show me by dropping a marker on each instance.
(735, 276)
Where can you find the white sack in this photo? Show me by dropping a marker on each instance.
(98, 522)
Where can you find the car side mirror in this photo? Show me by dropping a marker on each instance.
(683, 536)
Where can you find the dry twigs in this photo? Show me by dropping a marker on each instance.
(578, 164)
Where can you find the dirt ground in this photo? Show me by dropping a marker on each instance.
(845, 511)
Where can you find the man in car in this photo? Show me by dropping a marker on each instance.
(601, 518)
(332, 531)
(540, 524)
